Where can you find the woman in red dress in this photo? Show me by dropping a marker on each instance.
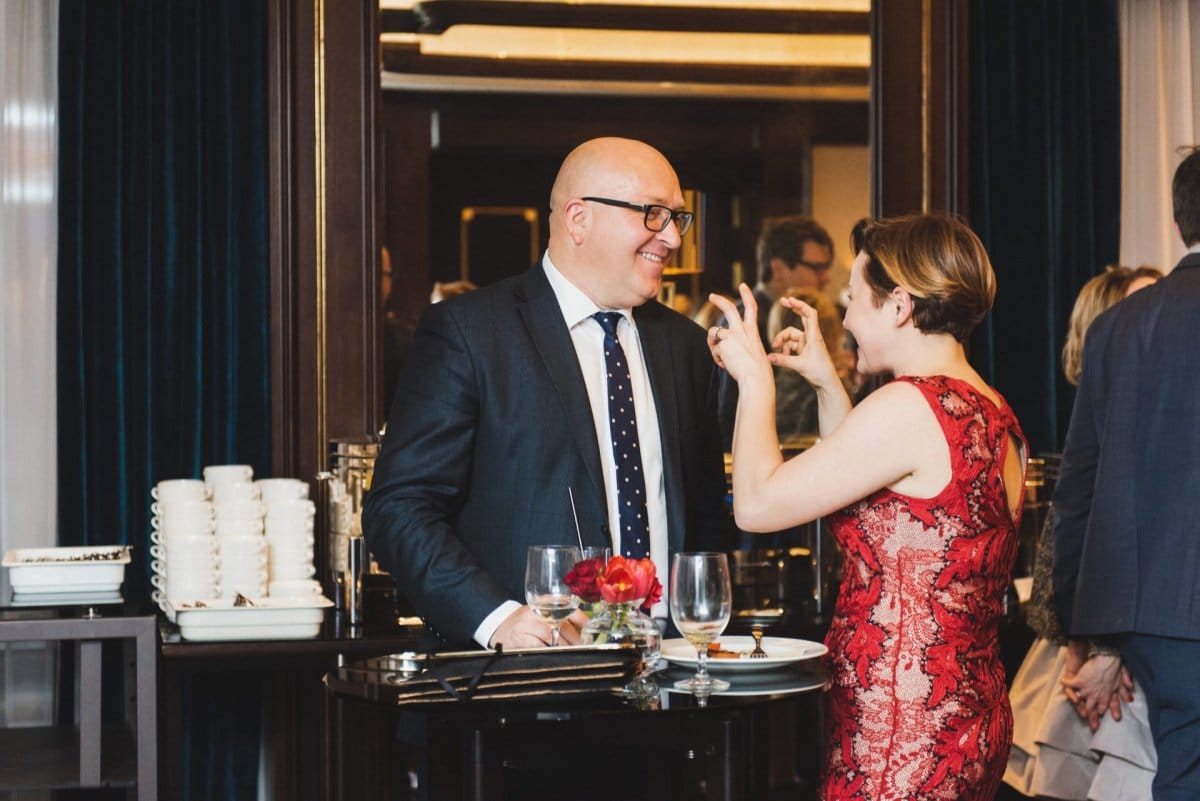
(924, 481)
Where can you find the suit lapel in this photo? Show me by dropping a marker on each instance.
(660, 364)
(543, 321)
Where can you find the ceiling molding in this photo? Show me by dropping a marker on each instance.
(406, 59)
(410, 82)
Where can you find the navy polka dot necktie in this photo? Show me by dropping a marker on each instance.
(631, 483)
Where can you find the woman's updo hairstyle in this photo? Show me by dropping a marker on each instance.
(940, 262)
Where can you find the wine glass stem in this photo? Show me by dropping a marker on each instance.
(553, 636)
(702, 664)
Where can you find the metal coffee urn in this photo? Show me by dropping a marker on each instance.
(351, 462)
(366, 594)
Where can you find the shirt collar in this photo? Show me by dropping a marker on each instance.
(576, 306)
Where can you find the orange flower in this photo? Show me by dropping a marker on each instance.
(626, 580)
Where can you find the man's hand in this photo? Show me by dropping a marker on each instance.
(572, 628)
(524, 629)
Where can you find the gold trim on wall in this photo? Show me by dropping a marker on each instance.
(926, 90)
(322, 424)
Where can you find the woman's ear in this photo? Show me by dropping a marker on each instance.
(902, 303)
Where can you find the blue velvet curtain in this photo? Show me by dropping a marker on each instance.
(163, 328)
(1045, 181)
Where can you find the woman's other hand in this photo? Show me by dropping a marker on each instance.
(805, 350)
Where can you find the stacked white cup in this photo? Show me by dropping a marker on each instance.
(183, 550)
(239, 530)
(290, 517)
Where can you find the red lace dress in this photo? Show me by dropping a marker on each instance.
(918, 707)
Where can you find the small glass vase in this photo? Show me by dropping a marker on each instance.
(625, 622)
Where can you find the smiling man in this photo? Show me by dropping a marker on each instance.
(560, 395)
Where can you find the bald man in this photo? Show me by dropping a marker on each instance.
(500, 434)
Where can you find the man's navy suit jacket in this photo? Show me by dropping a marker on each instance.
(1127, 540)
(491, 426)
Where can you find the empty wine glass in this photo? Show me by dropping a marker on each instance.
(546, 589)
(701, 601)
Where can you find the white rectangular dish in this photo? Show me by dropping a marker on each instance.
(267, 619)
(58, 571)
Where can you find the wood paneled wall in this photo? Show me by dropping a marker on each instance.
(919, 106)
(324, 94)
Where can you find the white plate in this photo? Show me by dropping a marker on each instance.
(780, 651)
(67, 570)
(767, 682)
(268, 619)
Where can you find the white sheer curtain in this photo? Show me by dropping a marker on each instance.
(28, 239)
(1160, 111)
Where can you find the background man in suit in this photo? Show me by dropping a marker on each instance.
(1127, 540)
(793, 253)
(501, 414)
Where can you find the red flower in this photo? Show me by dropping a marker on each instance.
(655, 593)
(583, 580)
(629, 580)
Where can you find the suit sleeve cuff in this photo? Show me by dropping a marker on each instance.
(483, 634)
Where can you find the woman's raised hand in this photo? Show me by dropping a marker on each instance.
(738, 348)
(804, 350)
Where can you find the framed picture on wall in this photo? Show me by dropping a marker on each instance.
(496, 241)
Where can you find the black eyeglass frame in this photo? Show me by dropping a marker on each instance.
(683, 218)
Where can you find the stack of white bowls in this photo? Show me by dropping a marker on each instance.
(239, 530)
(290, 517)
(183, 549)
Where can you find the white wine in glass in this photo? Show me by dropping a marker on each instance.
(701, 602)
(546, 590)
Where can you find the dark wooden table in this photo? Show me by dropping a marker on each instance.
(760, 745)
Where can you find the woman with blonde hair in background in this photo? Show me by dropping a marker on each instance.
(1097, 295)
(1056, 753)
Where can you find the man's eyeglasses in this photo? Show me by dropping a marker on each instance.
(657, 218)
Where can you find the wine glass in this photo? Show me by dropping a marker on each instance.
(546, 590)
(701, 601)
